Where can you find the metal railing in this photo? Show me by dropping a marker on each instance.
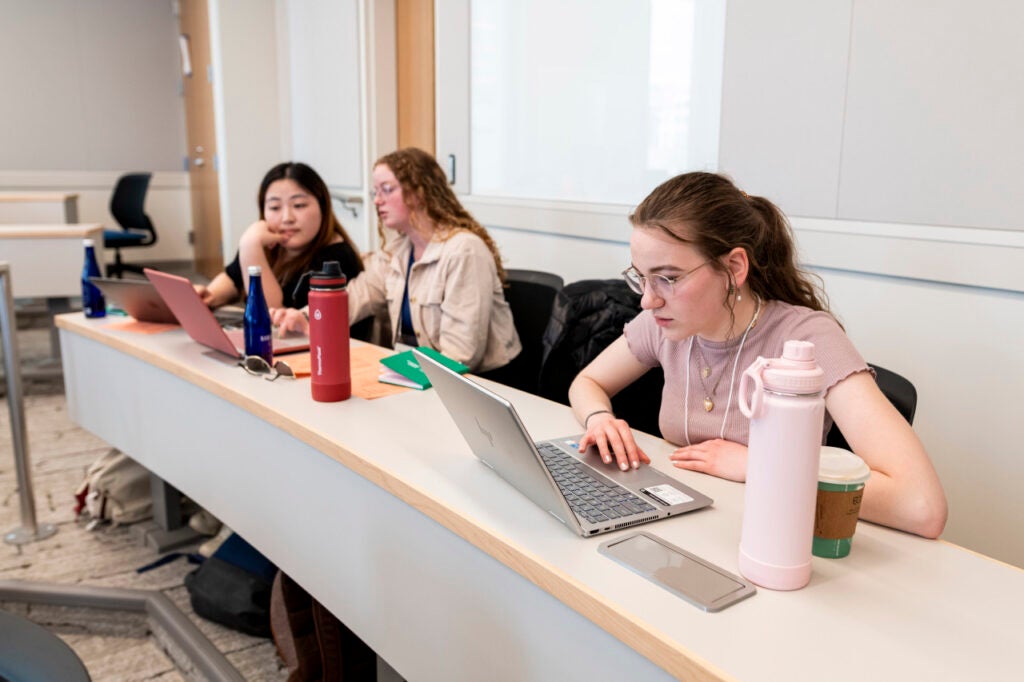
(30, 530)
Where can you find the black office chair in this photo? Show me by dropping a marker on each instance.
(900, 392)
(126, 205)
(530, 295)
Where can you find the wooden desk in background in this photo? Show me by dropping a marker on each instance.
(38, 207)
(380, 510)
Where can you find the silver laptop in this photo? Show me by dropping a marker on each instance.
(137, 297)
(589, 499)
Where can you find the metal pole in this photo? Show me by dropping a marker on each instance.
(29, 530)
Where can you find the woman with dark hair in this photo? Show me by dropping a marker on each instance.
(720, 286)
(297, 232)
(438, 276)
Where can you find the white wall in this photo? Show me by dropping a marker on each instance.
(90, 86)
(959, 346)
(246, 108)
(91, 90)
(900, 111)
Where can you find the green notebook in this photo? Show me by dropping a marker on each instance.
(402, 368)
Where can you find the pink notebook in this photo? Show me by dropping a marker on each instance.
(199, 322)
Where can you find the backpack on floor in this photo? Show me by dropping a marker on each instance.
(117, 489)
(233, 587)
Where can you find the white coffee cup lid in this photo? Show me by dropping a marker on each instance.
(841, 466)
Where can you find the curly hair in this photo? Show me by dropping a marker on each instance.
(425, 187)
(708, 211)
(309, 180)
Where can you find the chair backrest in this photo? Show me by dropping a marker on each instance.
(530, 295)
(900, 392)
(588, 316)
(127, 201)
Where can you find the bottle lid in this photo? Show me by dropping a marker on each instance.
(88, 242)
(841, 467)
(796, 371)
(331, 277)
(255, 270)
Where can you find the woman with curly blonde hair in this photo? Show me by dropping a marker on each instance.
(438, 275)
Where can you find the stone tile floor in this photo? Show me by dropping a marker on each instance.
(113, 645)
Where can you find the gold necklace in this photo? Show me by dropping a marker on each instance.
(705, 366)
(705, 372)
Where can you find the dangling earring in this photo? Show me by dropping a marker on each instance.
(734, 290)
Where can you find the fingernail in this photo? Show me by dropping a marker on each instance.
(607, 460)
(624, 466)
(636, 465)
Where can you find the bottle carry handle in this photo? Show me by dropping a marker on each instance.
(752, 410)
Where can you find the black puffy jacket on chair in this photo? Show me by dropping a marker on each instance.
(586, 317)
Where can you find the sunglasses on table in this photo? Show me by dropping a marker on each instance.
(257, 366)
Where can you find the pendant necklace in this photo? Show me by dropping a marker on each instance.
(705, 372)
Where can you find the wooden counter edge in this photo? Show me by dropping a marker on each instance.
(36, 197)
(49, 231)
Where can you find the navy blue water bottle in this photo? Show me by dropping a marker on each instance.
(93, 303)
(258, 330)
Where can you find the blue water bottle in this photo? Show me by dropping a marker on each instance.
(258, 330)
(93, 303)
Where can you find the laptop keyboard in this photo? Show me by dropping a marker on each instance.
(594, 499)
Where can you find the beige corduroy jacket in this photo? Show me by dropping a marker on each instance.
(456, 299)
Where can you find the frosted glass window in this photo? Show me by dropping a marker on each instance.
(592, 100)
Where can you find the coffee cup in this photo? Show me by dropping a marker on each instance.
(841, 478)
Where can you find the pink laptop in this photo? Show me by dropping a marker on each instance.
(200, 323)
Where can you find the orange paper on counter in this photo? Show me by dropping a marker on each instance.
(136, 327)
(365, 363)
(366, 369)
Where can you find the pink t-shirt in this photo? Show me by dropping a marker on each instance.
(779, 322)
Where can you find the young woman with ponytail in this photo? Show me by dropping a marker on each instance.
(720, 286)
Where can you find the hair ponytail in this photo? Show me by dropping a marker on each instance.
(774, 273)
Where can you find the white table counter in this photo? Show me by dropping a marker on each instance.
(381, 511)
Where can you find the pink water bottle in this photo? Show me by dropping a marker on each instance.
(330, 372)
(787, 412)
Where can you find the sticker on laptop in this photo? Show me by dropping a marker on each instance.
(667, 495)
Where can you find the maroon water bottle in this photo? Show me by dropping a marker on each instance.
(330, 372)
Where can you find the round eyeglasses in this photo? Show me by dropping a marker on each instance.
(383, 190)
(662, 286)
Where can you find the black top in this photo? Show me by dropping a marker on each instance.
(296, 290)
